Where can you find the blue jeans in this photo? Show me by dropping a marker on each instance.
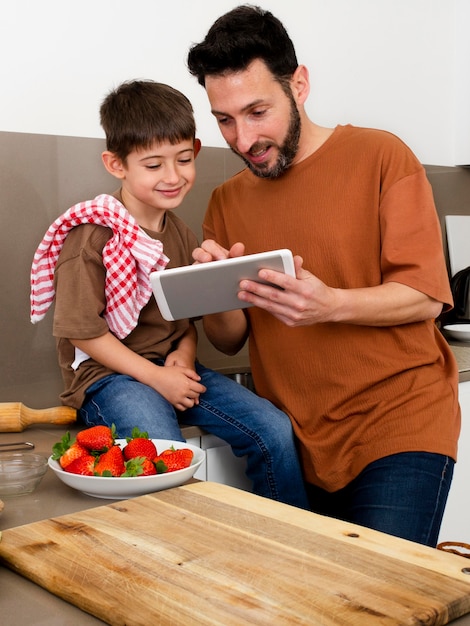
(251, 425)
(402, 494)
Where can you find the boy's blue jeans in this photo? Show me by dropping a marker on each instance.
(402, 494)
(251, 425)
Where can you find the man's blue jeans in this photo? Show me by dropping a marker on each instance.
(251, 425)
(402, 494)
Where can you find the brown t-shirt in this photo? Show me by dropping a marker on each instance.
(80, 302)
(360, 212)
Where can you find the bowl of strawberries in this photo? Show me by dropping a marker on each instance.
(98, 463)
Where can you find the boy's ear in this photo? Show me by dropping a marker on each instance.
(197, 146)
(113, 164)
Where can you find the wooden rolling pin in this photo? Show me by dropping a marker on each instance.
(15, 416)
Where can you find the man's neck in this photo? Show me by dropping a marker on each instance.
(311, 139)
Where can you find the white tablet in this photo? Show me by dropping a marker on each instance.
(204, 288)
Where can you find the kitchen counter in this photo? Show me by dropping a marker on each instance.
(188, 552)
(24, 602)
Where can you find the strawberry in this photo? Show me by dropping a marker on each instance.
(97, 438)
(140, 466)
(73, 453)
(83, 465)
(110, 463)
(140, 447)
(171, 460)
(67, 450)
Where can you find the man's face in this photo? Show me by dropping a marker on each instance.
(257, 118)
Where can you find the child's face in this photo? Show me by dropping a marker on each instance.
(160, 177)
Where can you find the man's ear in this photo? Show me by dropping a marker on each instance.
(113, 164)
(197, 146)
(300, 84)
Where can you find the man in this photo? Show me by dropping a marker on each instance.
(348, 348)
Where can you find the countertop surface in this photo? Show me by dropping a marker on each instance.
(24, 602)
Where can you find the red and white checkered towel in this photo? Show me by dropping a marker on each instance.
(129, 257)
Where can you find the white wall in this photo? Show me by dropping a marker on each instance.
(384, 63)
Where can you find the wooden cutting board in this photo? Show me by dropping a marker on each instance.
(209, 554)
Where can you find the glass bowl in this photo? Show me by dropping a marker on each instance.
(20, 472)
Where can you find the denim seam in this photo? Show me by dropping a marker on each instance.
(438, 499)
(255, 437)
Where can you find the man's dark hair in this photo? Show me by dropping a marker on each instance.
(239, 37)
(139, 113)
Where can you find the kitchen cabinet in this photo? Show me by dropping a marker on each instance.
(220, 464)
(456, 522)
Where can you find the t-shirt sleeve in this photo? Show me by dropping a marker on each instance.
(79, 285)
(412, 250)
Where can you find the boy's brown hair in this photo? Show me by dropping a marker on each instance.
(141, 112)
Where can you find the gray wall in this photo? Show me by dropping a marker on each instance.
(43, 175)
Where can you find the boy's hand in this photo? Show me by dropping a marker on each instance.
(180, 386)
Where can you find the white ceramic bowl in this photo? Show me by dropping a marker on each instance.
(20, 472)
(461, 332)
(113, 488)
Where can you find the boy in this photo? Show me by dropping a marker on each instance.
(122, 363)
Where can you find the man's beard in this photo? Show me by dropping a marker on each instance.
(287, 150)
